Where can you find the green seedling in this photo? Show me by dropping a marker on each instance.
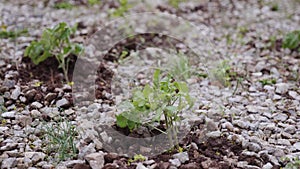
(63, 5)
(293, 163)
(268, 81)
(4, 34)
(166, 99)
(137, 158)
(222, 73)
(55, 43)
(292, 40)
(122, 9)
(38, 84)
(180, 67)
(175, 3)
(59, 138)
(94, 2)
(275, 7)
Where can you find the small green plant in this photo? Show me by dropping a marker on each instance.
(94, 2)
(292, 40)
(63, 5)
(268, 81)
(4, 34)
(38, 84)
(166, 98)
(180, 67)
(122, 9)
(55, 42)
(59, 138)
(175, 3)
(293, 163)
(274, 7)
(137, 158)
(223, 73)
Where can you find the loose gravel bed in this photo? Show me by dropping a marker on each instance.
(249, 126)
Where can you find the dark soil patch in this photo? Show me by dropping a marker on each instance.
(210, 154)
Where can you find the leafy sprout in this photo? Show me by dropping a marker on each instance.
(292, 40)
(4, 34)
(164, 99)
(55, 42)
(60, 139)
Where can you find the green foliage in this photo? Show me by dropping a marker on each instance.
(275, 7)
(180, 67)
(137, 158)
(63, 5)
(293, 164)
(4, 34)
(175, 3)
(59, 138)
(292, 40)
(122, 9)
(94, 2)
(223, 73)
(166, 98)
(268, 81)
(55, 42)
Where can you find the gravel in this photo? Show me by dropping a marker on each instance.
(263, 118)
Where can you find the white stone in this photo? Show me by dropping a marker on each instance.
(96, 160)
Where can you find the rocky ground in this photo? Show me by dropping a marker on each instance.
(252, 122)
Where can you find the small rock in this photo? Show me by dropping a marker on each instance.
(182, 157)
(110, 157)
(282, 88)
(294, 95)
(145, 149)
(81, 166)
(214, 134)
(254, 147)
(35, 156)
(69, 112)
(175, 162)
(140, 166)
(105, 137)
(9, 146)
(63, 103)
(297, 146)
(9, 115)
(84, 150)
(96, 160)
(2, 63)
(30, 94)
(280, 117)
(284, 142)
(190, 166)
(23, 99)
(67, 88)
(251, 167)
(206, 164)
(290, 129)
(163, 165)
(35, 113)
(240, 124)
(15, 93)
(9, 163)
(24, 120)
(72, 163)
(36, 105)
(267, 166)
(149, 162)
(242, 164)
(252, 109)
(50, 96)
(3, 129)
